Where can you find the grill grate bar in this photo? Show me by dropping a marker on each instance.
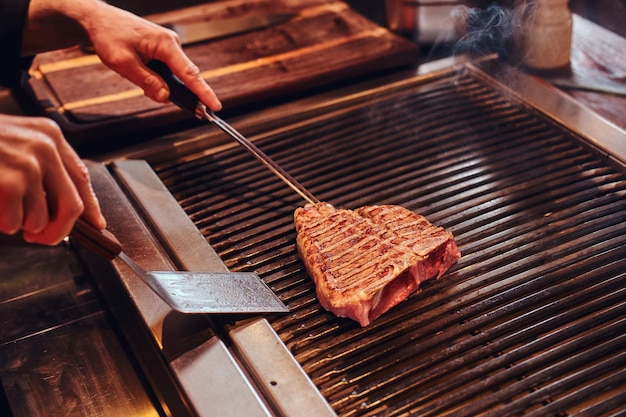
(605, 405)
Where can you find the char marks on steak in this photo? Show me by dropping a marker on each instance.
(433, 244)
(366, 261)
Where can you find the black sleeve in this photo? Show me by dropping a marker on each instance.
(13, 67)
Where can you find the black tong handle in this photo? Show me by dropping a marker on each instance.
(179, 93)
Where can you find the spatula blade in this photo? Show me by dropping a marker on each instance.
(217, 292)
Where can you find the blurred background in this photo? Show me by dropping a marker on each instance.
(609, 13)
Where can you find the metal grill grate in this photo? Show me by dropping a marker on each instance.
(532, 319)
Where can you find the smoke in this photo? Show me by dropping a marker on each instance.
(490, 29)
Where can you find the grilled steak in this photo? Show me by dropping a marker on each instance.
(433, 244)
(364, 262)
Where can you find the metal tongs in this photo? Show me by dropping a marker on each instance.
(188, 101)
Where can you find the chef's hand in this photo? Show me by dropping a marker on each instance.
(44, 186)
(126, 42)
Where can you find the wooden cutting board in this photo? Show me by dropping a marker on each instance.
(326, 41)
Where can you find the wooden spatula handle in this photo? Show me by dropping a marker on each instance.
(102, 242)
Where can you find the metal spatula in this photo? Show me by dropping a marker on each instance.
(189, 292)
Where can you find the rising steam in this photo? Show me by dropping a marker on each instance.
(491, 29)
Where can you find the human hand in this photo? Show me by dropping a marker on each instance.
(126, 42)
(44, 185)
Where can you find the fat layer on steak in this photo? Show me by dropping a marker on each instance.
(366, 261)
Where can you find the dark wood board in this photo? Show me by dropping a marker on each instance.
(325, 42)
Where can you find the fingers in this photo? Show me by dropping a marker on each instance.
(79, 175)
(24, 204)
(45, 186)
(126, 42)
(151, 84)
(35, 209)
(191, 76)
(12, 197)
(55, 186)
(64, 204)
(135, 70)
(185, 70)
(171, 53)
